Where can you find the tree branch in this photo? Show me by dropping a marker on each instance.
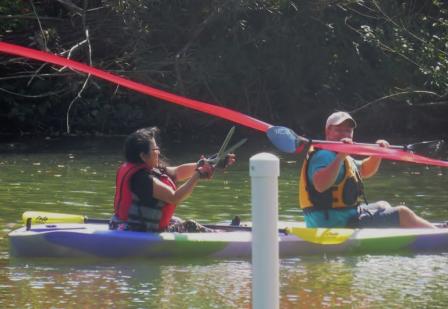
(86, 81)
(30, 17)
(71, 6)
(44, 37)
(403, 93)
(383, 46)
(181, 54)
(42, 95)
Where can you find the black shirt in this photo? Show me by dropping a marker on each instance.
(142, 184)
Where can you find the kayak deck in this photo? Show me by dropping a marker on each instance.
(96, 240)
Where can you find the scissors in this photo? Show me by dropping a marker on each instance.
(223, 152)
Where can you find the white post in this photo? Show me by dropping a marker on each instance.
(264, 172)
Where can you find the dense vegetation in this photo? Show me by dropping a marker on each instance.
(289, 62)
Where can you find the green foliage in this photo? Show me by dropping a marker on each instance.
(412, 33)
(12, 7)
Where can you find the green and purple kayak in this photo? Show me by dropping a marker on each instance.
(47, 238)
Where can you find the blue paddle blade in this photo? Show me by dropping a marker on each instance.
(283, 138)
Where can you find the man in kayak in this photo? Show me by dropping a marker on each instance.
(331, 190)
(146, 193)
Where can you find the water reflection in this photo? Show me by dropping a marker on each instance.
(83, 183)
(365, 282)
(149, 284)
(319, 282)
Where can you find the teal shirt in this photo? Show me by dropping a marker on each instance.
(322, 159)
(336, 218)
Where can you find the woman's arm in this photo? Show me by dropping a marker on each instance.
(181, 172)
(185, 171)
(165, 193)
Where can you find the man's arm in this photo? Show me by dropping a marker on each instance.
(370, 165)
(326, 177)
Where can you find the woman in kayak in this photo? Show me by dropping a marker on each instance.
(331, 188)
(146, 193)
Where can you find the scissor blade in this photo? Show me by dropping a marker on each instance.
(234, 147)
(216, 158)
(226, 142)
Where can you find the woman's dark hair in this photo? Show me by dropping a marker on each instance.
(138, 142)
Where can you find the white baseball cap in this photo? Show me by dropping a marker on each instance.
(337, 118)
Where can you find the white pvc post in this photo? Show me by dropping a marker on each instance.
(264, 172)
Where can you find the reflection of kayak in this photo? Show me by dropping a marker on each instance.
(96, 240)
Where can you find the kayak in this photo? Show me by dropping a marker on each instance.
(73, 240)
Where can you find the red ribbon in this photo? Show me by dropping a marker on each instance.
(382, 152)
(218, 111)
(211, 109)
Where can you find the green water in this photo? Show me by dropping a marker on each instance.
(79, 178)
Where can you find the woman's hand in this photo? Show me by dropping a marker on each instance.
(226, 161)
(205, 169)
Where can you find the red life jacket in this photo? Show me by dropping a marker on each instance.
(123, 195)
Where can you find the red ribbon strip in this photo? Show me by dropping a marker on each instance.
(382, 152)
(218, 111)
(211, 109)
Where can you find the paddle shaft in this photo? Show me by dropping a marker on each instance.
(306, 140)
(401, 147)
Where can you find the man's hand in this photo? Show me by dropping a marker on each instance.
(382, 143)
(342, 155)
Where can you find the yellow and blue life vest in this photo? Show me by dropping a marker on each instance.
(348, 193)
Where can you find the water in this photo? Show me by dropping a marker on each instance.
(80, 179)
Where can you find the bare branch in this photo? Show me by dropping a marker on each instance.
(42, 95)
(74, 47)
(30, 17)
(44, 42)
(432, 104)
(389, 19)
(383, 46)
(78, 96)
(181, 54)
(71, 6)
(14, 77)
(44, 37)
(86, 81)
(357, 12)
(35, 73)
(403, 93)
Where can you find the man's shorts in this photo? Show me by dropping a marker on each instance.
(376, 215)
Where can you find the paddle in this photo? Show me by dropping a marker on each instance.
(288, 141)
(321, 236)
(43, 217)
